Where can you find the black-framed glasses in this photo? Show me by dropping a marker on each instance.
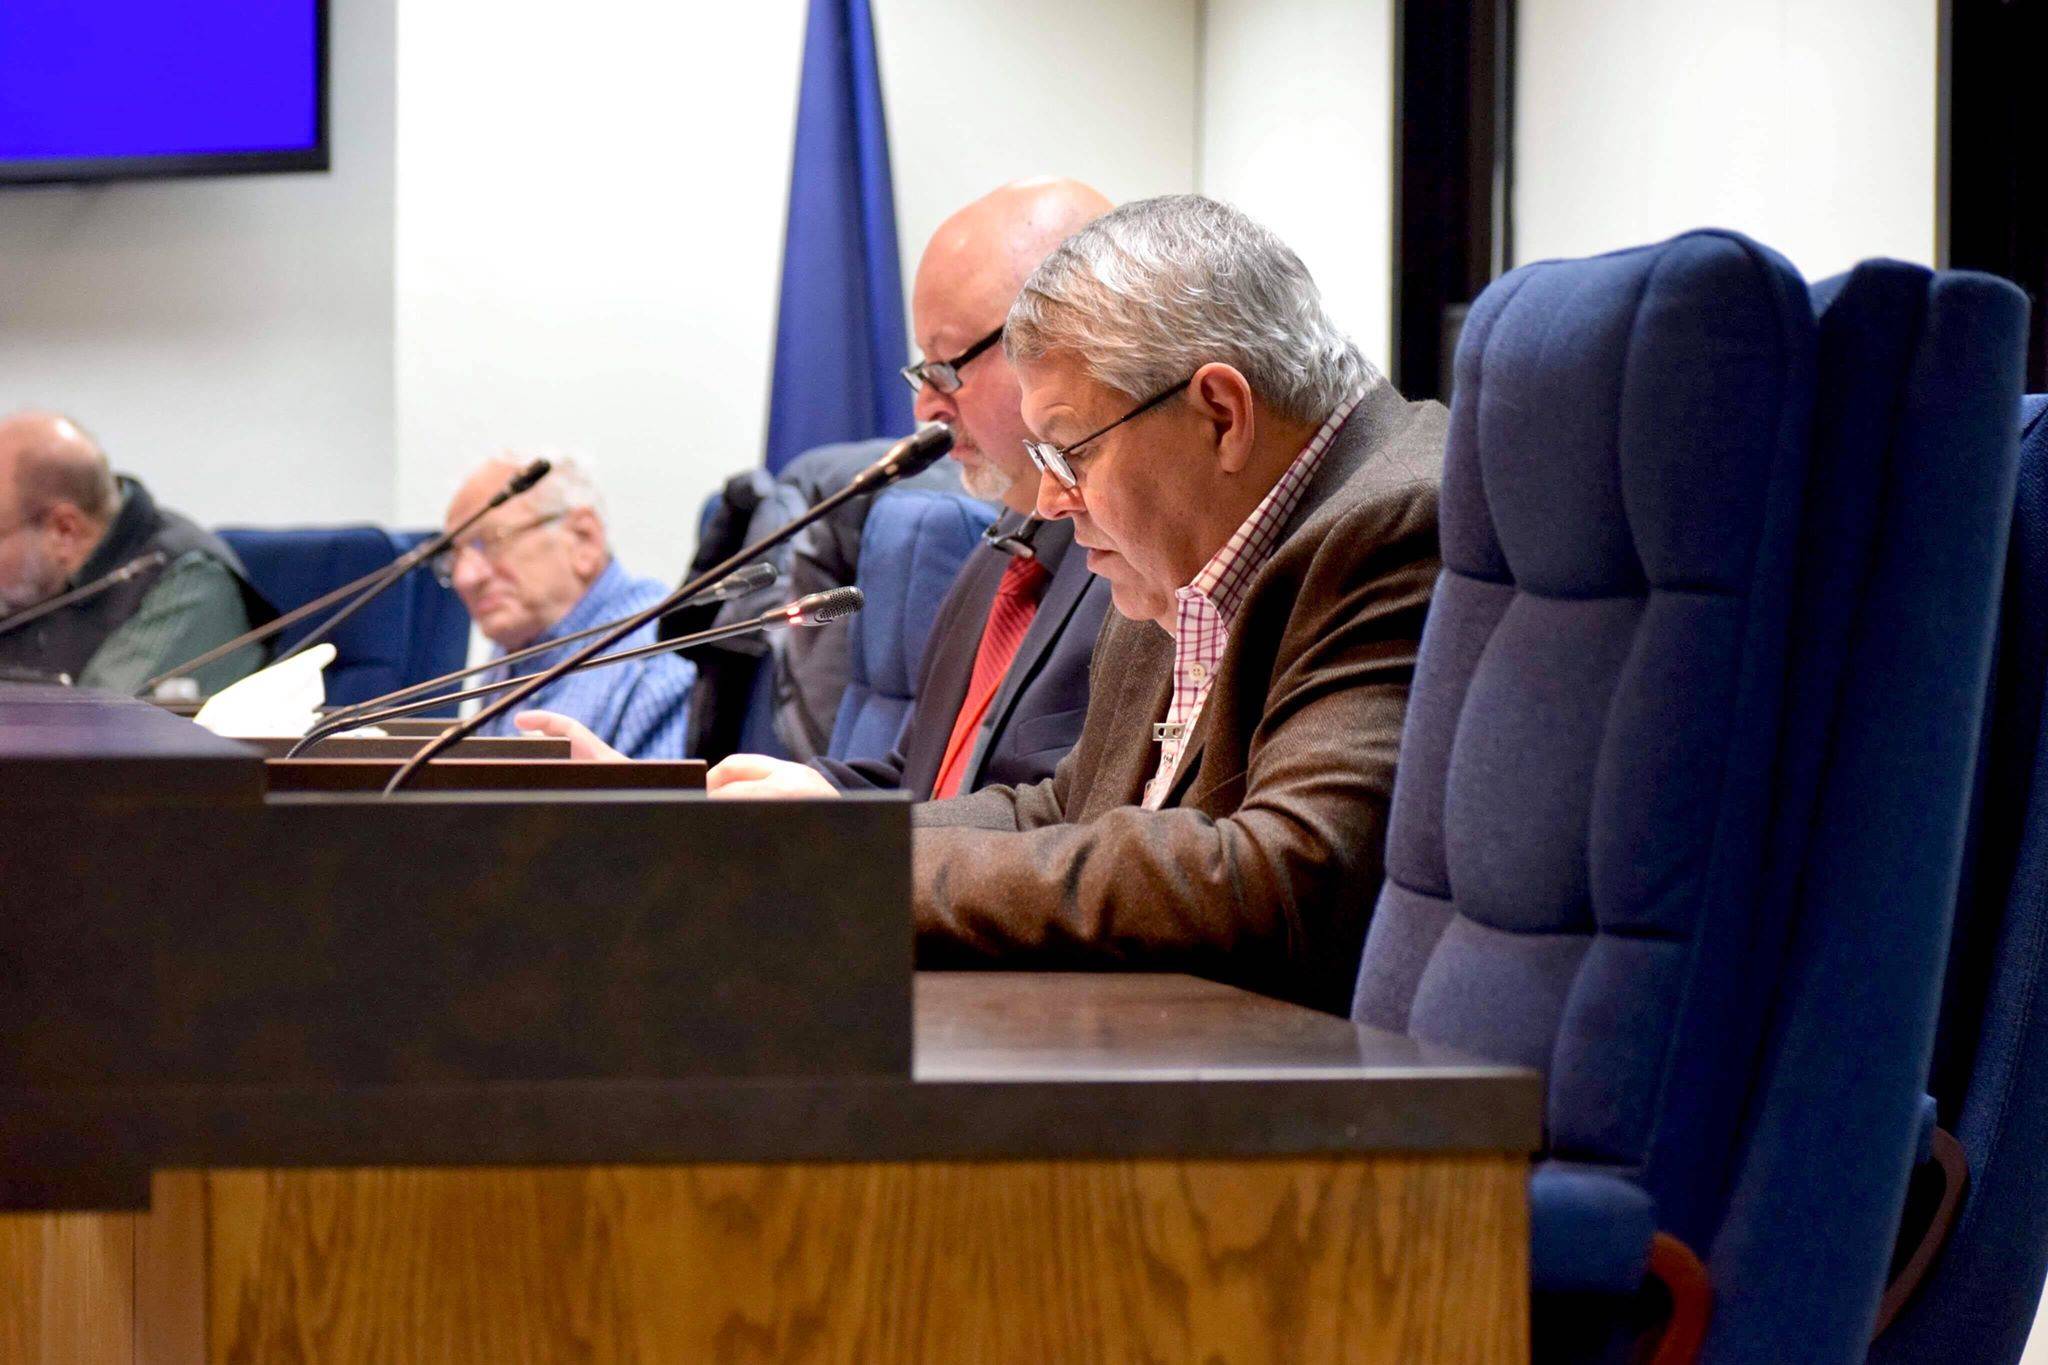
(944, 375)
(1058, 460)
(490, 544)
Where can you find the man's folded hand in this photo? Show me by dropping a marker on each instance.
(758, 777)
(583, 745)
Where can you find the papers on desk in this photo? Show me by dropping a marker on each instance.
(283, 700)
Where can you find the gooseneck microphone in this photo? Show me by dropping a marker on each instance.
(820, 608)
(750, 579)
(363, 589)
(815, 609)
(908, 456)
(84, 592)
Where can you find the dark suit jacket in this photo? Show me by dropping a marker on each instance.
(1263, 868)
(1036, 716)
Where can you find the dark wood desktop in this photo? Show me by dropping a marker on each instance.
(635, 1075)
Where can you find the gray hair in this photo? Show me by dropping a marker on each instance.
(567, 487)
(1150, 292)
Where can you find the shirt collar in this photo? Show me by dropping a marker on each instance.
(1223, 580)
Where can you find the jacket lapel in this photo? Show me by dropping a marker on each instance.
(1363, 432)
(1132, 679)
(1062, 595)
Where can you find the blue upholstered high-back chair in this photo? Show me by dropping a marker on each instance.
(1990, 1073)
(1576, 854)
(1626, 766)
(912, 548)
(417, 630)
(1911, 488)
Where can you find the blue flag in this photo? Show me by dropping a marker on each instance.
(839, 326)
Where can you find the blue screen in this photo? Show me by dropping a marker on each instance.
(89, 79)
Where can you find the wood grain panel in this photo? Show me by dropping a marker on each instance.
(67, 1284)
(1342, 1259)
(170, 1271)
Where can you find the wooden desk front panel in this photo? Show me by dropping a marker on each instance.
(1380, 1258)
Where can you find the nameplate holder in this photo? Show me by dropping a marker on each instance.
(1168, 731)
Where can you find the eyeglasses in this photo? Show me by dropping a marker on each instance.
(944, 375)
(490, 544)
(1058, 460)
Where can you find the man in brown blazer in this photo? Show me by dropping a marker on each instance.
(1263, 505)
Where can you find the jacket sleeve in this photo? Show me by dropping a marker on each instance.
(1012, 810)
(864, 774)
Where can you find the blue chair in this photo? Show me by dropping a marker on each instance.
(734, 706)
(1904, 536)
(912, 548)
(1626, 773)
(1578, 837)
(1990, 1072)
(415, 631)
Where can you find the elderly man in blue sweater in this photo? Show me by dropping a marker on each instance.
(540, 568)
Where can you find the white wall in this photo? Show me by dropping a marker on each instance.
(229, 340)
(2036, 1352)
(591, 204)
(568, 233)
(1297, 130)
(981, 92)
(1809, 124)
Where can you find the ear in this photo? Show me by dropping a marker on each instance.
(586, 534)
(1222, 398)
(73, 529)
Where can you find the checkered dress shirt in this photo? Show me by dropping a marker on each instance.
(1206, 608)
(639, 708)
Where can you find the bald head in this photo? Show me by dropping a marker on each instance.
(57, 498)
(969, 275)
(47, 459)
(524, 566)
(983, 254)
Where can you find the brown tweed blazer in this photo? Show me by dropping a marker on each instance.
(1263, 868)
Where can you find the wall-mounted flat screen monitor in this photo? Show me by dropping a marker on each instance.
(116, 89)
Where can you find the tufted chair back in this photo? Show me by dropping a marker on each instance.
(1576, 855)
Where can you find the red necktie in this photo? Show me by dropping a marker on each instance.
(1009, 617)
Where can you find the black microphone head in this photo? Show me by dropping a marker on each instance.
(919, 451)
(821, 608)
(751, 579)
(527, 478)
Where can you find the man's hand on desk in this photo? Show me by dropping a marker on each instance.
(583, 745)
(757, 777)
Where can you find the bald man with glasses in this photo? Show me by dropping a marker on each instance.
(1003, 687)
